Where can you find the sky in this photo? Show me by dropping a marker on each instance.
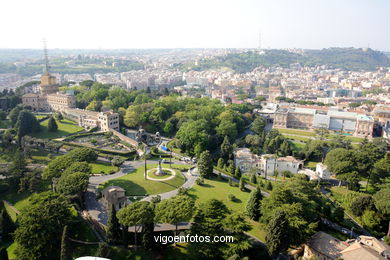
(95, 24)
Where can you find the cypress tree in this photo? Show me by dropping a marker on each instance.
(3, 254)
(221, 163)
(269, 186)
(237, 172)
(52, 125)
(65, 245)
(277, 238)
(113, 227)
(226, 149)
(242, 184)
(253, 179)
(205, 164)
(253, 204)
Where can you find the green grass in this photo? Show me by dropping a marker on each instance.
(11, 251)
(220, 189)
(103, 168)
(296, 138)
(295, 132)
(298, 146)
(65, 127)
(10, 212)
(5, 123)
(135, 184)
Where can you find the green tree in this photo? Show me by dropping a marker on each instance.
(237, 172)
(38, 235)
(26, 123)
(205, 164)
(242, 184)
(73, 185)
(253, 204)
(65, 245)
(278, 234)
(221, 163)
(253, 179)
(137, 214)
(258, 125)
(285, 148)
(52, 125)
(361, 204)
(236, 225)
(226, 149)
(209, 221)
(113, 232)
(382, 203)
(340, 161)
(175, 210)
(78, 167)
(338, 214)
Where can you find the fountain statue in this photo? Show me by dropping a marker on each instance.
(159, 171)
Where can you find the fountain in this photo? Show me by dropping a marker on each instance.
(159, 171)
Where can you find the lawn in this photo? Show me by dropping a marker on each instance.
(103, 168)
(298, 146)
(65, 127)
(311, 164)
(220, 189)
(295, 132)
(296, 138)
(135, 184)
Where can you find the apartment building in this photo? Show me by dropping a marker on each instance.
(340, 121)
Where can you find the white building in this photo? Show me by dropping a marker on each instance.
(265, 164)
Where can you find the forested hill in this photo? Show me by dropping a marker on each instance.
(345, 58)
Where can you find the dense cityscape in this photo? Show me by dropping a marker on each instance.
(160, 152)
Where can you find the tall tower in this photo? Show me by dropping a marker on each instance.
(48, 82)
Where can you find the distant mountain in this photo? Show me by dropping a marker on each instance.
(344, 58)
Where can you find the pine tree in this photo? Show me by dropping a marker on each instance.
(221, 163)
(205, 164)
(226, 149)
(237, 173)
(242, 184)
(269, 186)
(52, 125)
(113, 227)
(253, 204)
(3, 254)
(7, 225)
(253, 179)
(65, 245)
(277, 238)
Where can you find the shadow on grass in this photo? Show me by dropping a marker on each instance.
(131, 188)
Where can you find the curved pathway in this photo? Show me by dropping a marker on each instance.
(99, 213)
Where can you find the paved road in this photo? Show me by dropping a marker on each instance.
(99, 213)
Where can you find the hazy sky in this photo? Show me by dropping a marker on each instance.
(195, 23)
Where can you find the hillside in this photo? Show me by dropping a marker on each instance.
(345, 58)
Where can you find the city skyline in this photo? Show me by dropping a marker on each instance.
(200, 24)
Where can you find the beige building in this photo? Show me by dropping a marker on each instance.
(114, 195)
(323, 246)
(338, 121)
(105, 121)
(48, 84)
(37, 102)
(60, 101)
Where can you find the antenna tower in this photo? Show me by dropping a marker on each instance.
(46, 57)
